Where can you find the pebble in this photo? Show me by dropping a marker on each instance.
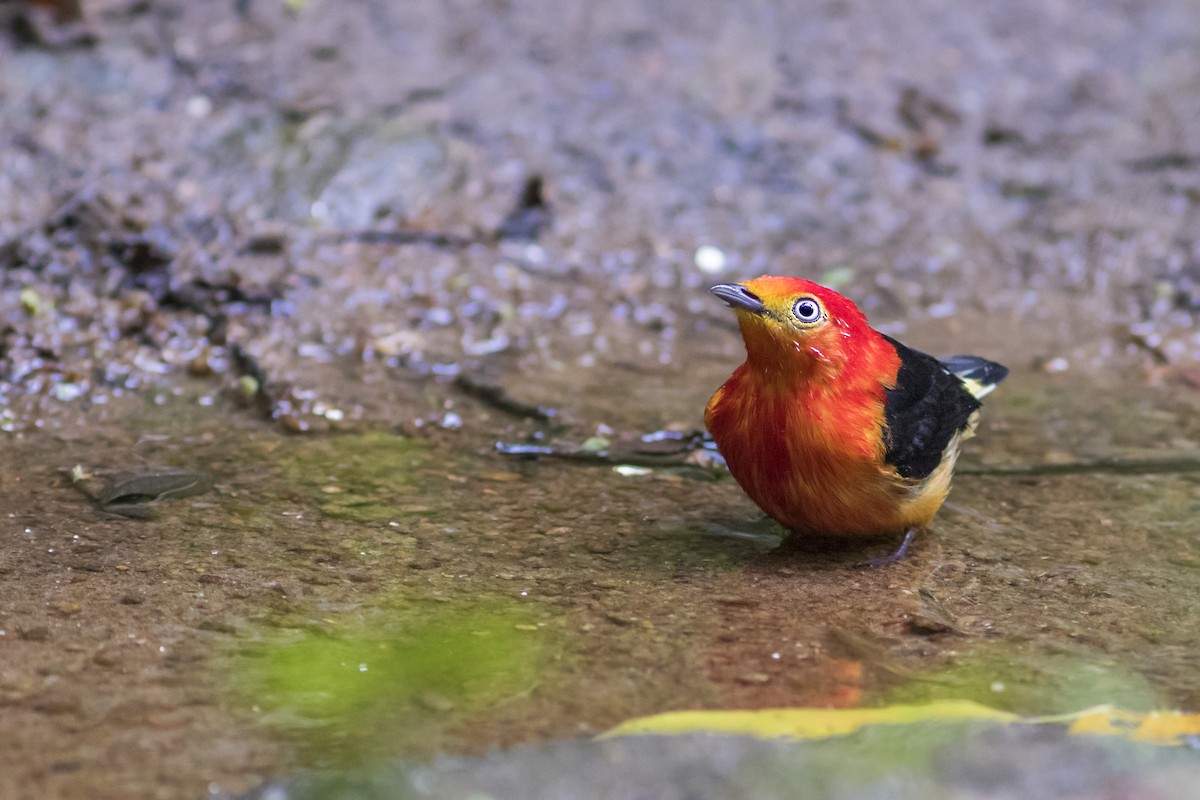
(710, 260)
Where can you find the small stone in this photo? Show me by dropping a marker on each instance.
(57, 704)
(66, 392)
(754, 678)
(198, 106)
(435, 702)
(105, 658)
(34, 633)
(630, 471)
(32, 302)
(500, 477)
(710, 260)
(293, 424)
(200, 366)
(739, 602)
(1056, 364)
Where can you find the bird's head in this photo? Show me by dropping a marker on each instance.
(795, 326)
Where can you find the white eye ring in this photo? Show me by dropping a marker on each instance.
(807, 310)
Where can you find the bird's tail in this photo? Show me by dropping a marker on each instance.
(979, 375)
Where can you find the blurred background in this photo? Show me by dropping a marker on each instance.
(1035, 163)
(331, 253)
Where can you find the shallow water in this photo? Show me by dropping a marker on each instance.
(343, 599)
(195, 267)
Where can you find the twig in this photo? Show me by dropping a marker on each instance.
(1113, 466)
(498, 398)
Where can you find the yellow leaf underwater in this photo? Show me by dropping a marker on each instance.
(805, 723)
(1157, 727)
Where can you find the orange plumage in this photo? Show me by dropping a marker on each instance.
(831, 427)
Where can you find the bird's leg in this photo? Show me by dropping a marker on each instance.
(883, 561)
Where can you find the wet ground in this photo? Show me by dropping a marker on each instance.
(286, 246)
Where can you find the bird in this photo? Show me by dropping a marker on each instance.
(832, 428)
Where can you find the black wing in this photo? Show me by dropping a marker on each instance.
(926, 409)
(982, 373)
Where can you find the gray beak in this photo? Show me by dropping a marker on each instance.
(738, 296)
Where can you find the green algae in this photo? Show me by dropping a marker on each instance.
(347, 691)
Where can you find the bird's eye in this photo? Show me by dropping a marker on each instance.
(807, 309)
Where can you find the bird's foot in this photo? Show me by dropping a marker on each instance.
(891, 558)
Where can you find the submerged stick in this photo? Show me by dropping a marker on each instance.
(686, 445)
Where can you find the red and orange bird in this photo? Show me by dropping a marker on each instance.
(833, 428)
